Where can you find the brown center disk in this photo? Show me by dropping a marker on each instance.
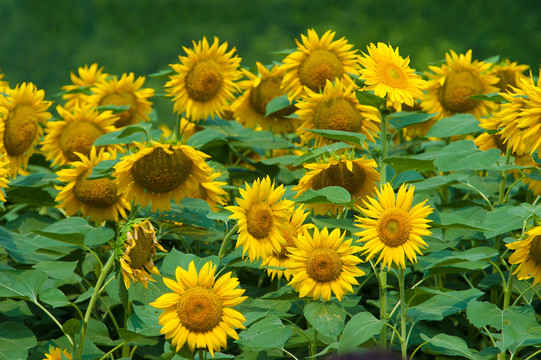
(204, 81)
(199, 309)
(339, 175)
(323, 264)
(318, 67)
(456, 90)
(21, 126)
(259, 220)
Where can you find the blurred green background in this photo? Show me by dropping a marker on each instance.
(43, 40)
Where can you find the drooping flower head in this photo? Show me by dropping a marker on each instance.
(509, 73)
(323, 263)
(528, 256)
(56, 354)
(204, 81)
(79, 90)
(392, 228)
(200, 311)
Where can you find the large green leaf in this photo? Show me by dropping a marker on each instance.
(175, 258)
(359, 329)
(327, 195)
(15, 340)
(269, 333)
(345, 136)
(520, 328)
(77, 231)
(459, 124)
(25, 284)
(276, 104)
(313, 154)
(449, 345)
(327, 318)
(464, 155)
(402, 164)
(483, 313)
(443, 304)
(401, 120)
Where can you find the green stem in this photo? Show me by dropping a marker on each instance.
(383, 138)
(403, 343)
(70, 339)
(112, 350)
(502, 178)
(227, 240)
(532, 356)
(417, 349)
(314, 345)
(508, 289)
(383, 306)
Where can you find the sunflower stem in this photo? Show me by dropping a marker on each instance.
(227, 240)
(314, 345)
(501, 198)
(403, 342)
(383, 138)
(508, 289)
(383, 306)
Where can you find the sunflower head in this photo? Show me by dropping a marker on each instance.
(56, 354)
(88, 76)
(211, 191)
(509, 74)
(4, 172)
(528, 256)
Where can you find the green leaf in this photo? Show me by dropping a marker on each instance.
(402, 164)
(105, 168)
(327, 318)
(175, 258)
(76, 231)
(459, 124)
(464, 155)
(519, 328)
(72, 326)
(489, 97)
(204, 137)
(327, 195)
(500, 221)
(15, 340)
(367, 98)
(162, 74)
(484, 313)
(269, 333)
(327, 149)
(24, 249)
(57, 269)
(116, 109)
(455, 258)
(357, 139)
(276, 104)
(442, 305)
(136, 339)
(439, 181)
(359, 329)
(54, 297)
(449, 345)
(25, 284)
(344, 224)
(401, 120)
(125, 135)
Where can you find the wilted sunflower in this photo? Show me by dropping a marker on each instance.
(138, 255)
(77, 132)
(211, 191)
(336, 108)
(323, 263)
(251, 107)
(99, 199)
(204, 81)
(388, 74)
(450, 86)
(125, 91)
(509, 74)
(56, 354)
(4, 172)
(160, 173)
(260, 217)
(21, 110)
(528, 255)
(316, 61)
(358, 176)
(392, 227)
(79, 91)
(200, 311)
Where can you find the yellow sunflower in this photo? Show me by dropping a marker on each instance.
(388, 74)
(316, 61)
(250, 108)
(125, 91)
(392, 227)
(3, 84)
(200, 311)
(528, 255)
(358, 176)
(336, 108)
(509, 74)
(22, 111)
(261, 215)
(211, 191)
(99, 199)
(490, 140)
(88, 76)
(137, 259)
(323, 263)
(205, 79)
(4, 172)
(56, 354)
(160, 173)
(78, 130)
(291, 228)
(450, 86)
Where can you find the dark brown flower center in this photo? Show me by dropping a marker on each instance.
(458, 86)
(126, 117)
(339, 175)
(78, 137)
(338, 114)
(507, 78)
(100, 193)
(268, 89)
(394, 227)
(259, 220)
(199, 309)
(323, 264)
(21, 126)
(318, 67)
(535, 250)
(204, 80)
(141, 252)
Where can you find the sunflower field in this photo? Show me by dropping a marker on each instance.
(322, 206)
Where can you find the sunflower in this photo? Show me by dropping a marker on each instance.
(21, 110)
(205, 80)
(99, 199)
(200, 311)
(393, 227)
(76, 133)
(291, 228)
(3, 84)
(260, 217)
(509, 74)
(388, 74)
(358, 176)
(528, 255)
(490, 139)
(251, 107)
(124, 92)
(316, 61)
(56, 354)
(211, 191)
(138, 254)
(450, 86)
(337, 108)
(160, 173)
(322, 263)
(4, 172)
(88, 76)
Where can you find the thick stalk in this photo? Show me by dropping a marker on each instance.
(501, 198)
(227, 240)
(383, 139)
(507, 300)
(403, 342)
(383, 306)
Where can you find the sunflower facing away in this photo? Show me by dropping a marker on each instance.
(509, 73)
(137, 259)
(358, 176)
(388, 74)
(56, 354)
(21, 111)
(204, 81)
(200, 311)
(77, 92)
(99, 199)
(450, 86)
(316, 61)
(4, 172)
(392, 227)
(251, 107)
(528, 255)
(261, 215)
(336, 108)
(323, 263)
(211, 191)
(160, 173)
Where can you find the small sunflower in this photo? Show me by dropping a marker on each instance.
(392, 227)
(160, 173)
(316, 61)
(22, 111)
(137, 259)
(336, 108)
(56, 354)
(528, 255)
(260, 217)
(358, 176)
(251, 107)
(4, 172)
(99, 199)
(323, 263)
(211, 191)
(509, 73)
(205, 79)
(125, 91)
(388, 74)
(88, 76)
(200, 311)
(450, 86)
(76, 133)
